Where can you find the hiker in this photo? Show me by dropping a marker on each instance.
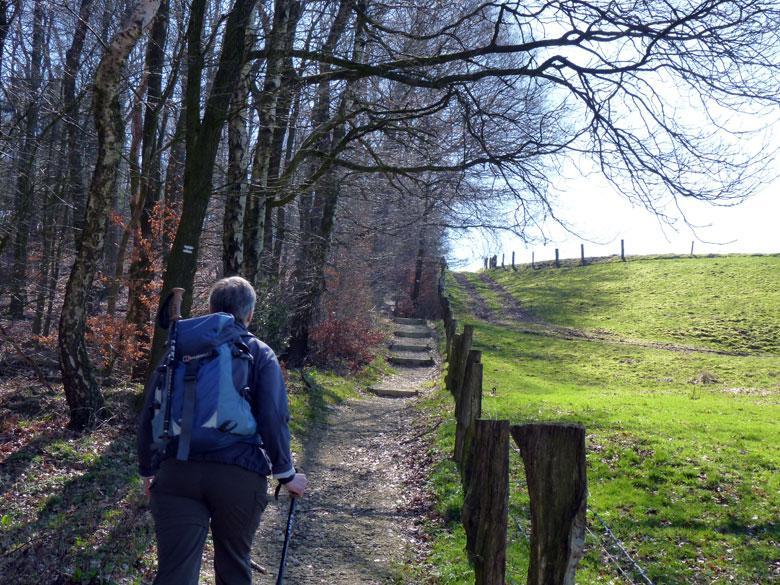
(216, 485)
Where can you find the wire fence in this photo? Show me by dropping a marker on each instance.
(614, 551)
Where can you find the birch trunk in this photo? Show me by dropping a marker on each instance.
(82, 392)
(235, 201)
(270, 105)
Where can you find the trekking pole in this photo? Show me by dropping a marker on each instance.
(174, 314)
(287, 534)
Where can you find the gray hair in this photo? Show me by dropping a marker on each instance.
(232, 295)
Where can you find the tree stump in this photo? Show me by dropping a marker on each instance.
(486, 501)
(554, 458)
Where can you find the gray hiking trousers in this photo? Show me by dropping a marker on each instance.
(187, 497)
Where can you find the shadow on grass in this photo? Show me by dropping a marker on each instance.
(76, 513)
(18, 461)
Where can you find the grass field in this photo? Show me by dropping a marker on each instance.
(683, 444)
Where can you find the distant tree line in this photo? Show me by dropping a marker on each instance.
(325, 149)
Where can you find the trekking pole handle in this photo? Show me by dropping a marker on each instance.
(175, 306)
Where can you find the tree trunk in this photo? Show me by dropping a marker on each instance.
(235, 200)
(174, 181)
(5, 24)
(25, 185)
(317, 220)
(418, 270)
(554, 458)
(52, 210)
(75, 184)
(140, 274)
(202, 142)
(83, 395)
(136, 203)
(270, 105)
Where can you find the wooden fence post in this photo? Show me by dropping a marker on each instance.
(486, 263)
(513, 260)
(452, 357)
(533, 262)
(452, 327)
(554, 458)
(468, 406)
(582, 254)
(557, 259)
(486, 501)
(693, 242)
(461, 346)
(502, 259)
(622, 250)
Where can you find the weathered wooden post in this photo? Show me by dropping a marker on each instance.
(486, 263)
(513, 260)
(452, 327)
(557, 259)
(692, 247)
(452, 357)
(533, 262)
(461, 346)
(486, 501)
(502, 259)
(582, 254)
(468, 405)
(622, 250)
(554, 458)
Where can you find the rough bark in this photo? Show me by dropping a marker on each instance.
(318, 212)
(141, 272)
(271, 104)
(52, 209)
(75, 184)
(25, 186)
(468, 407)
(486, 501)
(82, 392)
(554, 458)
(202, 142)
(136, 204)
(461, 346)
(418, 270)
(174, 179)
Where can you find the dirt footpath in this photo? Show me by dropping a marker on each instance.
(357, 523)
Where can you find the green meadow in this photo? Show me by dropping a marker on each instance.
(675, 373)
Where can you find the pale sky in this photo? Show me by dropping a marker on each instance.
(598, 213)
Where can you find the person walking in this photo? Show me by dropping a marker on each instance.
(225, 487)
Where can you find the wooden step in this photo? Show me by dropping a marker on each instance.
(414, 334)
(391, 392)
(409, 321)
(410, 347)
(399, 360)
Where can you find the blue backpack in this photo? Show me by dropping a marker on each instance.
(207, 369)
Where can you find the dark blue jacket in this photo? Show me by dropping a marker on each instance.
(268, 456)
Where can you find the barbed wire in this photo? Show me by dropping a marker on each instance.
(610, 556)
(637, 568)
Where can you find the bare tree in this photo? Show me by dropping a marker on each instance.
(81, 390)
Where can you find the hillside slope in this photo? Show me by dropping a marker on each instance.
(673, 366)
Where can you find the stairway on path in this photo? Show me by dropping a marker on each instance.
(411, 348)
